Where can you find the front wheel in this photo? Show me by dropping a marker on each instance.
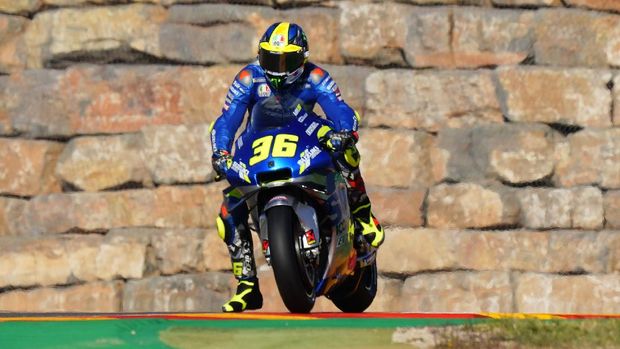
(358, 290)
(294, 278)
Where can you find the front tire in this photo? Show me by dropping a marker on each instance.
(358, 291)
(295, 286)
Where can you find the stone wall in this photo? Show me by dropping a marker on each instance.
(490, 142)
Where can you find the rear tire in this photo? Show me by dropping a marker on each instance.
(358, 291)
(296, 289)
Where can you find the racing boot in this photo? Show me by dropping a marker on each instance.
(363, 219)
(247, 297)
(232, 228)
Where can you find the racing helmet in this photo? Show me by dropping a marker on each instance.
(282, 53)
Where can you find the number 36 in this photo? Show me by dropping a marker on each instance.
(284, 146)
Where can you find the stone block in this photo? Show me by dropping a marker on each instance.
(21, 7)
(512, 153)
(470, 205)
(460, 291)
(428, 42)
(602, 5)
(449, 2)
(552, 95)
(388, 295)
(616, 100)
(11, 28)
(431, 100)
(215, 253)
(611, 206)
(351, 80)
(32, 262)
(96, 297)
(10, 211)
(99, 34)
(75, 3)
(177, 154)
(500, 250)
(398, 207)
(104, 162)
(71, 258)
(529, 3)
(591, 156)
(588, 208)
(27, 167)
(319, 23)
(433, 2)
(367, 37)
(612, 240)
(223, 43)
(544, 208)
(164, 207)
(90, 99)
(486, 37)
(544, 293)
(580, 252)
(120, 256)
(204, 292)
(459, 37)
(567, 37)
(394, 158)
(411, 251)
(179, 250)
(415, 251)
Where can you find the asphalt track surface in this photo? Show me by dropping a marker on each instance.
(73, 330)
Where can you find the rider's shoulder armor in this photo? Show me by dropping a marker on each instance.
(322, 82)
(316, 74)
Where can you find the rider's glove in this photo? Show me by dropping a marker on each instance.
(340, 141)
(221, 161)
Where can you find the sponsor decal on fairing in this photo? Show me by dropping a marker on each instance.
(241, 170)
(306, 156)
(312, 128)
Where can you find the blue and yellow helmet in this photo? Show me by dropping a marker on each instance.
(282, 53)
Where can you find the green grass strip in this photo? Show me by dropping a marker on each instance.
(298, 338)
(145, 333)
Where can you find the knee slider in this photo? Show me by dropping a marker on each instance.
(352, 157)
(221, 228)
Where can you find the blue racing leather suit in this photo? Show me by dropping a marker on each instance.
(315, 85)
(249, 87)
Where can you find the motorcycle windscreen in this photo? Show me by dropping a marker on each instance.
(273, 112)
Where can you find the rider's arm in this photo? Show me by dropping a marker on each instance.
(224, 128)
(329, 98)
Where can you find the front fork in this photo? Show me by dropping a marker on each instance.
(310, 240)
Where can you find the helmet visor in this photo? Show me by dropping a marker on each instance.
(280, 63)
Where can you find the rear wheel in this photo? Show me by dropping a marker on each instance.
(294, 277)
(358, 291)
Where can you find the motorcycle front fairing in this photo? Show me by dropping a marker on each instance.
(280, 150)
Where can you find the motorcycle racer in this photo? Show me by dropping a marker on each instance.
(283, 65)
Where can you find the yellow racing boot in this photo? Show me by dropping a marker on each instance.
(247, 297)
(368, 225)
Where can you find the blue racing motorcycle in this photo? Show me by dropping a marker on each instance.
(299, 206)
